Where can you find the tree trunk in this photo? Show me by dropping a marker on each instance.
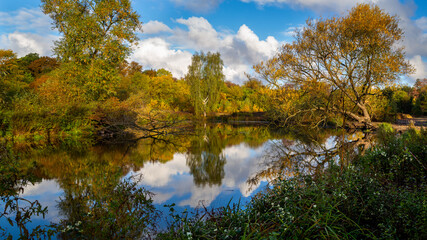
(366, 119)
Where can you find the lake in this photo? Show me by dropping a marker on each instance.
(209, 167)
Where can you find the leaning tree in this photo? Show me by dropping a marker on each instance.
(340, 62)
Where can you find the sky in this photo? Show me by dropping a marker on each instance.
(244, 32)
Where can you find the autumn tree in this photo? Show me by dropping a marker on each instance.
(339, 62)
(7, 62)
(13, 77)
(96, 38)
(205, 78)
(93, 29)
(42, 66)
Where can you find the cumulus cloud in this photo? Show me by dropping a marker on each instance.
(154, 27)
(24, 43)
(239, 50)
(415, 33)
(420, 67)
(26, 31)
(199, 6)
(199, 34)
(157, 53)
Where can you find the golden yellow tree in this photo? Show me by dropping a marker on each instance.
(346, 57)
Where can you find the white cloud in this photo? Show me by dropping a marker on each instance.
(236, 72)
(163, 172)
(47, 193)
(172, 180)
(199, 6)
(239, 51)
(157, 53)
(415, 33)
(24, 43)
(30, 31)
(154, 27)
(422, 23)
(46, 187)
(26, 20)
(199, 36)
(253, 49)
(420, 67)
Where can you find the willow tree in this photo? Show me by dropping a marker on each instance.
(205, 79)
(340, 62)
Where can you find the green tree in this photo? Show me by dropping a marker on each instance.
(341, 62)
(93, 29)
(205, 79)
(13, 78)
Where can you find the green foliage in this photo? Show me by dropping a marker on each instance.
(420, 107)
(385, 131)
(28, 59)
(205, 79)
(14, 78)
(401, 160)
(93, 29)
(94, 82)
(122, 211)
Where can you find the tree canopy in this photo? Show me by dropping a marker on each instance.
(93, 29)
(340, 61)
(205, 78)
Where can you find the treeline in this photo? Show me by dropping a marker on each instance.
(407, 100)
(40, 94)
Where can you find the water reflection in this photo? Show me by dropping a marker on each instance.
(212, 165)
(310, 152)
(205, 157)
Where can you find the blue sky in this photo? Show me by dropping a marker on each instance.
(245, 32)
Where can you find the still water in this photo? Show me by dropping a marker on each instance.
(210, 167)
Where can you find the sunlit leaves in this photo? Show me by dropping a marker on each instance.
(93, 29)
(348, 56)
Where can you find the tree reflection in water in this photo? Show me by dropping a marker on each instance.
(107, 210)
(205, 157)
(16, 210)
(309, 152)
(97, 203)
